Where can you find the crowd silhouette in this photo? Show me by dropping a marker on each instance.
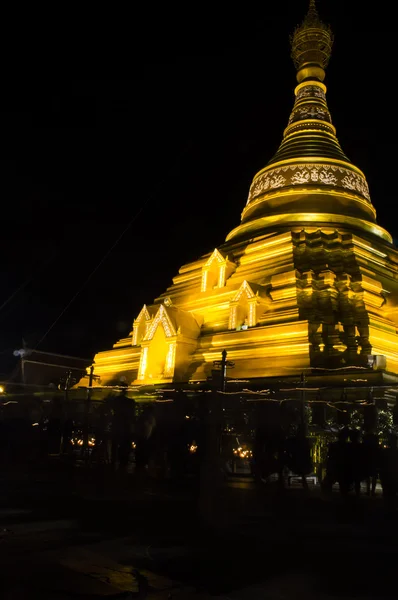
(165, 442)
(155, 440)
(354, 460)
(276, 453)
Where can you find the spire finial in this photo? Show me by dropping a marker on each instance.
(311, 45)
(312, 9)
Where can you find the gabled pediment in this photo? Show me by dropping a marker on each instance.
(246, 304)
(143, 315)
(141, 323)
(216, 271)
(174, 321)
(217, 257)
(250, 290)
(244, 290)
(170, 340)
(146, 313)
(161, 318)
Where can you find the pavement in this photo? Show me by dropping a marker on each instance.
(79, 534)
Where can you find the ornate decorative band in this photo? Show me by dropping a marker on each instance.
(311, 91)
(309, 174)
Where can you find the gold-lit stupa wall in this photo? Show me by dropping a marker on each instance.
(308, 278)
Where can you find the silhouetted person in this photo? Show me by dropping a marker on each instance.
(371, 452)
(178, 448)
(298, 455)
(273, 455)
(102, 433)
(122, 428)
(337, 469)
(258, 454)
(145, 428)
(356, 460)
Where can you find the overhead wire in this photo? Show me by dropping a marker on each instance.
(109, 251)
(26, 282)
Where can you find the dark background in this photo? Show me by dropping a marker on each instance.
(129, 139)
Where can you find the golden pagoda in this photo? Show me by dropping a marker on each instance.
(307, 280)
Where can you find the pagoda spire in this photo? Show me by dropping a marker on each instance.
(309, 180)
(311, 45)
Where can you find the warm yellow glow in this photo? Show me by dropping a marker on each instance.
(204, 280)
(310, 82)
(221, 276)
(170, 359)
(215, 271)
(370, 248)
(140, 326)
(1, 389)
(264, 256)
(161, 318)
(232, 317)
(314, 159)
(143, 362)
(157, 355)
(252, 314)
(243, 452)
(299, 221)
(244, 289)
(78, 441)
(306, 280)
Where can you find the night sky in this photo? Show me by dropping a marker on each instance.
(129, 142)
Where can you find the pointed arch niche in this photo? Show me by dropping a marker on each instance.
(140, 326)
(167, 345)
(245, 307)
(216, 271)
(158, 349)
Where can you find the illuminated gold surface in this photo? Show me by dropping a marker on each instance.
(308, 279)
(297, 221)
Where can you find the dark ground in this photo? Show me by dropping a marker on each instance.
(69, 533)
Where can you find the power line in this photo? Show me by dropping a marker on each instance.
(89, 277)
(103, 259)
(25, 283)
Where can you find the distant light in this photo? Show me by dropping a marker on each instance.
(1, 389)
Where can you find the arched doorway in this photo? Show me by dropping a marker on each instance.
(157, 353)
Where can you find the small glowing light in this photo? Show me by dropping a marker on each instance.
(34, 424)
(193, 448)
(1, 389)
(243, 452)
(79, 441)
